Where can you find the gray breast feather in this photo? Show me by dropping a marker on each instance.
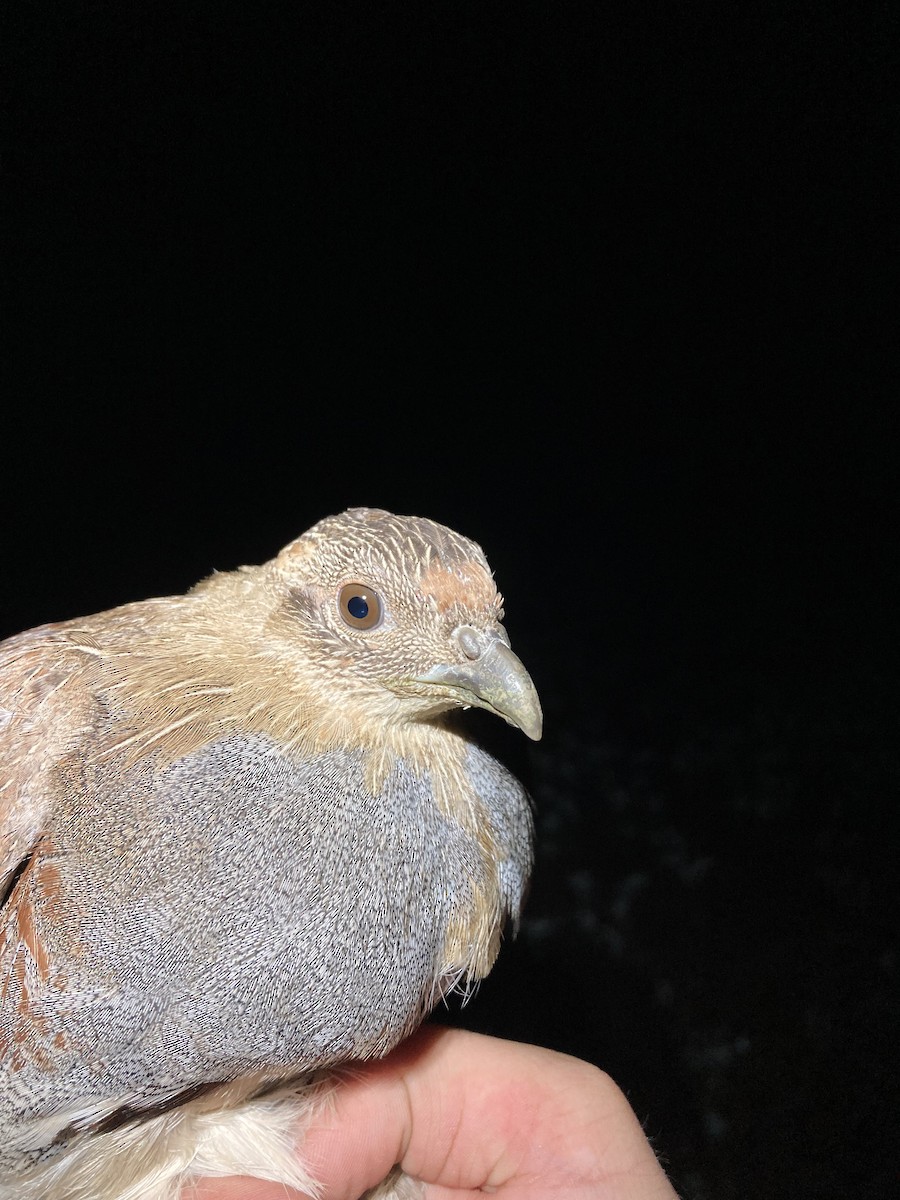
(264, 912)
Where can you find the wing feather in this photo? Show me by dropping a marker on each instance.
(45, 707)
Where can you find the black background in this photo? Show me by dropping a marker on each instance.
(613, 292)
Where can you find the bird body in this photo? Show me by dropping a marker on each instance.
(243, 847)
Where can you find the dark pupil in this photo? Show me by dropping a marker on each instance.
(357, 607)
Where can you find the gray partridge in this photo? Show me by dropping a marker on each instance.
(242, 846)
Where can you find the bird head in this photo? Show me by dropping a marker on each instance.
(403, 613)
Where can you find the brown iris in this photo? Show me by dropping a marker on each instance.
(360, 606)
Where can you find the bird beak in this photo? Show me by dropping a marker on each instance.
(493, 678)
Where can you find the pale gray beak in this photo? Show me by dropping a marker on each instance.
(492, 678)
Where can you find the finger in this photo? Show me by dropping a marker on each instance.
(470, 1113)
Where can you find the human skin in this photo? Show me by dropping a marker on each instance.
(470, 1115)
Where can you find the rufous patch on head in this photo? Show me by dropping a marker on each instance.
(296, 553)
(467, 583)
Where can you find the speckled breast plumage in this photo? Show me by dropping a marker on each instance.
(330, 945)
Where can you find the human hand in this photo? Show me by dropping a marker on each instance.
(470, 1115)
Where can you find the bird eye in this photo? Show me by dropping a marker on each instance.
(360, 606)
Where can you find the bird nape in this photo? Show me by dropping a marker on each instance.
(242, 847)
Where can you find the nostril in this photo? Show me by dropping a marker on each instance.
(468, 641)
